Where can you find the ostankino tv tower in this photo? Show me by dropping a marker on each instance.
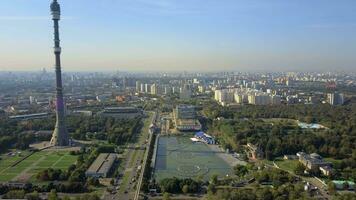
(60, 134)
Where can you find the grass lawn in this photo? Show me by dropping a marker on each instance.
(7, 161)
(35, 163)
(268, 162)
(288, 165)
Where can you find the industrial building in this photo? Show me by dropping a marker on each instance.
(102, 166)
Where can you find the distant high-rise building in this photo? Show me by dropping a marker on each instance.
(154, 89)
(175, 90)
(185, 92)
(60, 135)
(259, 99)
(142, 88)
(224, 96)
(147, 88)
(125, 82)
(335, 98)
(32, 100)
(138, 86)
(167, 90)
(128, 82)
(201, 88)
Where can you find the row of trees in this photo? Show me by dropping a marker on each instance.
(52, 195)
(176, 185)
(285, 192)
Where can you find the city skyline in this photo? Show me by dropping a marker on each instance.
(145, 35)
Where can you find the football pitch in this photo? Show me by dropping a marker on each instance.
(178, 156)
(33, 164)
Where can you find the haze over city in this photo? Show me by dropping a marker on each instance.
(177, 99)
(175, 35)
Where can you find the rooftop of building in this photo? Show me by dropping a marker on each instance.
(121, 109)
(102, 163)
(187, 122)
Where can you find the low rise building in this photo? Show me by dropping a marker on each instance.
(185, 118)
(122, 112)
(315, 162)
(82, 112)
(102, 165)
(326, 170)
(188, 125)
(30, 116)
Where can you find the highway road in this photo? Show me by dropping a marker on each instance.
(134, 156)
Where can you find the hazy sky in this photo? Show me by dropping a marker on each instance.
(173, 35)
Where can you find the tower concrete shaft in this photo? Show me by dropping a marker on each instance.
(60, 135)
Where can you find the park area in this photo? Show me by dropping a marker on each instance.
(24, 166)
(178, 156)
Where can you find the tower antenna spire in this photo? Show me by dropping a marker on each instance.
(60, 135)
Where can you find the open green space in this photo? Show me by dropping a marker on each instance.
(288, 165)
(33, 164)
(178, 156)
(335, 162)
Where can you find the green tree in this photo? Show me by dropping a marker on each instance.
(66, 198)
(166, 196)
(33, 196)
(240, 170)
(211, 188)
(265, 194)
(299, 169)
(331, 188)
(185, 189)
(53, 195)
(214, 179)
(15, 194)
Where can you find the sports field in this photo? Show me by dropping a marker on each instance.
(178, 156)
(29, 167)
